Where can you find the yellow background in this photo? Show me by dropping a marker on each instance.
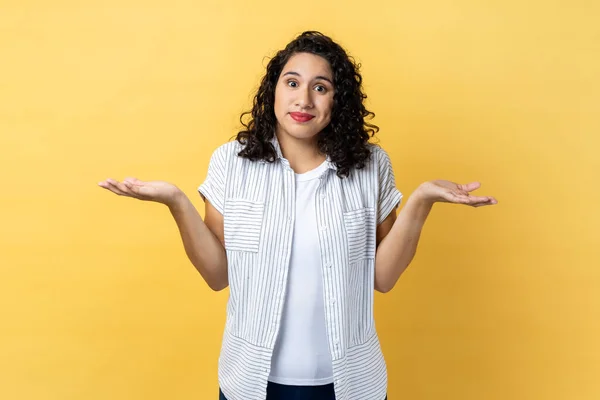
(97, 298)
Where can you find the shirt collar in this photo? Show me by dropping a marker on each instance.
(279, 154)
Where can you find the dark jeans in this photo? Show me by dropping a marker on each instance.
(276, 391)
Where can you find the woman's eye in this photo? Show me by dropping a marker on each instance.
(292, 84)
(320, 88)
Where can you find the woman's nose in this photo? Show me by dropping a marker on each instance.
(304, 98)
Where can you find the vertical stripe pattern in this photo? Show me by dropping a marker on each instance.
(257, 203)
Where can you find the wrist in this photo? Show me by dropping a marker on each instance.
(176, 200)
(421, 197)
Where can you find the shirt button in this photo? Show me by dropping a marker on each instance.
(323, 228)
(332, 301)
(328, 264)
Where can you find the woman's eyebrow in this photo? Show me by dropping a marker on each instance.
(316, 77)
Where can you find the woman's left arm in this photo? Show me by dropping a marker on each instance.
(398, 237)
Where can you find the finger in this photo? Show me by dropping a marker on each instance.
(119, 188)
(126, 187)
(109, 186)
(472, 200)
(469, 187)
(479, 199)
(132, 188)
(461, 198)
(139, 190)
(490, 202)
(135, 185)
(135, 181)
(106, 184)
(489, 199)
(114, 188)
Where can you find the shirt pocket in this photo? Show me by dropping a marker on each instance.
(242, 224)
(360, 231)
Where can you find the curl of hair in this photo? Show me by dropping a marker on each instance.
(345, 138)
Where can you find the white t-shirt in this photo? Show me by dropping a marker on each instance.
(301, 356)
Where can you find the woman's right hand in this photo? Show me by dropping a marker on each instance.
(157, 191)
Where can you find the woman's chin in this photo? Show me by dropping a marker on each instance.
(299, 132)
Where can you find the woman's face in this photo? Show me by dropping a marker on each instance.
(304, 96)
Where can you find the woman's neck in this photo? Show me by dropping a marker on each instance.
(302, 154)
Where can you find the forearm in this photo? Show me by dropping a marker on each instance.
(398, 248)
(204, 250)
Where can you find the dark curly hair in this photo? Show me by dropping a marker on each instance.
(345, 138)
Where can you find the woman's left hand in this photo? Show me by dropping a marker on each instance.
(450, 192)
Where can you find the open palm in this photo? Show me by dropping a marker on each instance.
(158, 191)
(450, 192)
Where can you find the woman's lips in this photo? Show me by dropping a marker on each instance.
(301, 117)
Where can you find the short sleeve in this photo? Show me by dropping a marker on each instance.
(213, 187)
(389, 196)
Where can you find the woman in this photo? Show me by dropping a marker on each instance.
(300, 223)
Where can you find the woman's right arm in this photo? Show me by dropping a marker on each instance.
(203, 240)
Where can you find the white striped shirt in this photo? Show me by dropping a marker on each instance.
(257, 199)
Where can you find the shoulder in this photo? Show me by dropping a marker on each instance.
(227, 149)
(377, 152)
(379, 159)
(374, 168)
(226, 152)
